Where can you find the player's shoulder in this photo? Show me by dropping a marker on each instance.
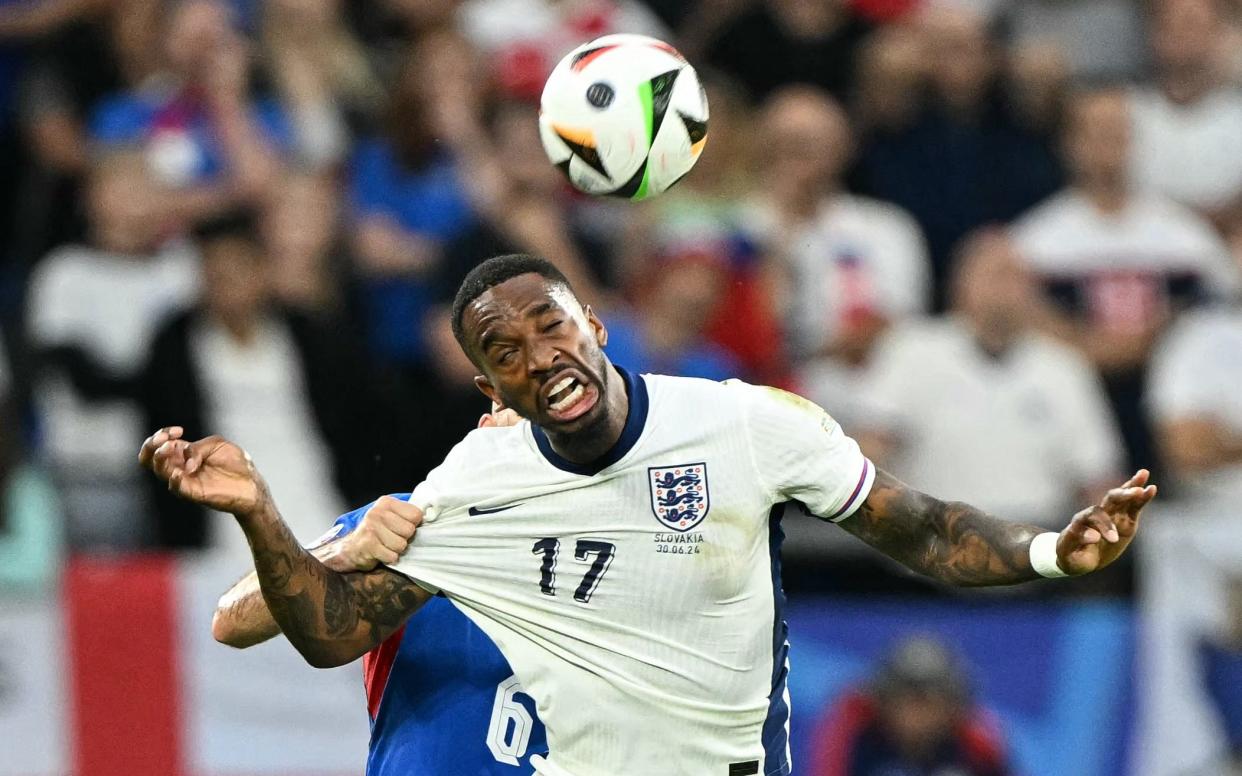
(491, 446)
(698, 394)
(756, 400)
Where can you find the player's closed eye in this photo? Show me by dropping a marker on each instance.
(552, 325)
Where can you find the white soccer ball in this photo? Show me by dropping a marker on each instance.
(623, 116)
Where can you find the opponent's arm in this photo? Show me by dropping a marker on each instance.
(961, 545)
(330, 617)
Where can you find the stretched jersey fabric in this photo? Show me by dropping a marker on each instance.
(638, 598)
(442, 699)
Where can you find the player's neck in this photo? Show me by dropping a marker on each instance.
(592, 443)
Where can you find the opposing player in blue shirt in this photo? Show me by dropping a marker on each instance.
(440, 696)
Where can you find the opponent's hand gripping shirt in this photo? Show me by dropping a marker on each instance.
(441, 698)
(638, 599)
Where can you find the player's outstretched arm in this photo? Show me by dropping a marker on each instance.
(330, 617)
(961, 545)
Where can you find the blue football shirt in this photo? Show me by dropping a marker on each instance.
(442, 699)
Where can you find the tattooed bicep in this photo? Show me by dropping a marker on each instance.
(951, 541)
(892, 513)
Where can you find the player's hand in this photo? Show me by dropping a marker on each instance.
(499, 416)
(146, 453)
(1098, 535)
(212, 472)
(384, 533)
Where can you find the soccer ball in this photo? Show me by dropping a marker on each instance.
(623, 116)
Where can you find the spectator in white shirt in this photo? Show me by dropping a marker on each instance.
(1118, 263)
(847, 266)
(982, 407)
(93, 310)
(1188, 125)
(1193, 558)
(1196, 405)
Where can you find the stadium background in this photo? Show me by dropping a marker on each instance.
(379, 148)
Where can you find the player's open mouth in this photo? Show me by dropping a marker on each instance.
(569, 398)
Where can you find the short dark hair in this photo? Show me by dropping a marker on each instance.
(493, 272)
(231, 225)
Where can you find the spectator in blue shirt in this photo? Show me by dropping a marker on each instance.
(408, 193)
(206, 141)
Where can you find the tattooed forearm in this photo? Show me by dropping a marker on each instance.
(330, 617)
(242, 619)
(949, 541)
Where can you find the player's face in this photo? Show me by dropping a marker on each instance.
(540, 353)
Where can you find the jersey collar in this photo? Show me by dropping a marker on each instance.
(636, 389)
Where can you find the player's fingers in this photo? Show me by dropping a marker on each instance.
(386, 556)
(1100, 521)
(174, 480)
(152, 443)
(408, 513)
(1139, 479)
(201, 450)
(168, 456)
(1081, 530)
(506, 417)
(384, 536)
(149, 445)
(1149, 493)
(1128, 519)
(397, 523)
(397, 506)
(1123, 499)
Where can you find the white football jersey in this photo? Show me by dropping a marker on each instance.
(638, 599)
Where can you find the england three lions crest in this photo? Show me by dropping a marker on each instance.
(679, 497)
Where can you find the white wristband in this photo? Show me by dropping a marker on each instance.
(1044, 556)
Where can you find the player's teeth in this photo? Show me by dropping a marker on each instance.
(562, 385)
(569, 400)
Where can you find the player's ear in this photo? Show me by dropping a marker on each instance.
(483, 384)
(597, 326)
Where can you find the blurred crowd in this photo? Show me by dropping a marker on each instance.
(1001, 241)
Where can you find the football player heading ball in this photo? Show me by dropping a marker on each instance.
(556, 537)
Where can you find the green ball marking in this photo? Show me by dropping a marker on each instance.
(642, 187)
(645, 97)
